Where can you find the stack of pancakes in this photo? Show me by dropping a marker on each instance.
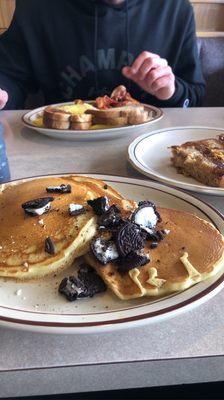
(22, 237)
(191, 252)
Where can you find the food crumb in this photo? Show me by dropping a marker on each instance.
(18, 292)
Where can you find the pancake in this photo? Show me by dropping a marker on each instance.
(23, 253)
(191, 252)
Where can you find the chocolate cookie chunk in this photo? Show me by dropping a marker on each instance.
(146, 215)
(129, 238)
(76, 209)
(59, 189)
(99, 205)
(110, 219)
(37, 206)
(132, 260)
(50, 246)
(87, 284)
(104, 250)
(91, 280)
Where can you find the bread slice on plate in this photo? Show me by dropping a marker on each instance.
(202, 160)
(68, 117)
(117, 116)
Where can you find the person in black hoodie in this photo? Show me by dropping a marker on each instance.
(85, 48)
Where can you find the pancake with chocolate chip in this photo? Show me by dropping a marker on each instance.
(46, 223)
(191, 251)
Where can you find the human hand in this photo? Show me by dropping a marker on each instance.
(153, 74)
(3, 98)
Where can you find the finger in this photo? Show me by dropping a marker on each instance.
(164, 81)
(151, 65)
(3, 98)
(126, 71)
(140, 59)
(157, 73)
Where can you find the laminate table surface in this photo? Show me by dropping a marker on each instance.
(186, 349)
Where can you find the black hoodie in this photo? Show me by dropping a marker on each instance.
(76, 49)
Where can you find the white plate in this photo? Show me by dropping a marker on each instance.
(40, 307)
(94, 134)
(150, 155)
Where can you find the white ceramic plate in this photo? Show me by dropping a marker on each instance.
(94, 134)
(40, 308)
(150, 155)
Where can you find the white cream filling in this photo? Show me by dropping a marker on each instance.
(39, 211)
(146, 217)
(74, 207)
(110, 253)
(54, 187)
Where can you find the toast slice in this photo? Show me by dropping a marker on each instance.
(55, 123)
(202, 160)
(68, 116)
(117, 116)
(80, 126)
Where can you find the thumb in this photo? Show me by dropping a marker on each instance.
(3, 98)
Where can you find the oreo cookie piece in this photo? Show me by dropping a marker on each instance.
(104, 250)
(87, 284)
(76, 209)
(132, 260)
(71, 288)
(129, 238)
(99, 205)
(59, 189)
(37, 206)
(92, 282)
(156, 236)
(146, 215)
(111, 218)
(50, 246)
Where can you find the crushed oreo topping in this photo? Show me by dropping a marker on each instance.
(129, 238)
(50, 246)
(111, 218)
(76, 209)
(37, 206)
(156, 236)
(86, 284)
(99, 205)
(128, 235)
(153, 245)
(146, 215)
(104, 250)
(132, 260)
(59, 189)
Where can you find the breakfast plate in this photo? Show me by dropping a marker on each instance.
(150, 154)
(37, 306)
(33, 118)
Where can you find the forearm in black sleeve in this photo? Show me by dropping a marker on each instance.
(189, 81)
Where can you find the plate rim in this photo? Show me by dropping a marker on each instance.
(151, 316)
(25, 119)
(131, 156)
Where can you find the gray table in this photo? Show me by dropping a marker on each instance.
(185, 349)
